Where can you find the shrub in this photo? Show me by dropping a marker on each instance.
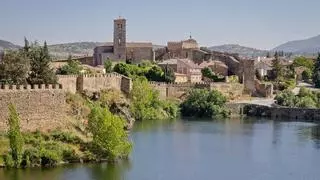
(109, 137)
(204, 103)
(306, 75)
(146, 105)
(65, 137)
(286, 98)
(108, 66)
(306, 102)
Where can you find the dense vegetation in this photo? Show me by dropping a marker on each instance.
(205, 104)
(282, 77)
(146, 69)
(207, 72)
(305, 99)
(30, 64)
(146, 104)
(102, 138)
(73, 67)
(316, 73)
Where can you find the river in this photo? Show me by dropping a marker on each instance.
(204, 150)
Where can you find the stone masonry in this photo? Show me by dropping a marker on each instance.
(40, 106)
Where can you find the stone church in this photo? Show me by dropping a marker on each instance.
(121, 50)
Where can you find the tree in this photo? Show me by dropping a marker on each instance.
(169, 75)
(15, 136)
(26, 45)
(316, 73)
(306, 75)
(204, 103)
(304, 62)
(72, 67)
(108, 66)
(155, 74)
(109, 137)
(146, 104)
(277, 68)
(40, 71)
(14, 67)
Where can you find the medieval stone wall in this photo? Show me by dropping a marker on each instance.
(280, 113)
(93, 83)
(40, 107)
(69, 82)
(179, 90)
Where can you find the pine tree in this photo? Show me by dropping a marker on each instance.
(40, 71)
(15, 136)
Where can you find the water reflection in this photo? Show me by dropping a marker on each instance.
(247, 149)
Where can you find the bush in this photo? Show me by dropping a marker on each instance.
(205, 104)
(286, 98)
(8, 160)
(109, 137)
(108, 66)
(146, 69)
(306, 75)
(65, 137)
(146, 105)
(207, 72)
(31, 157)
(305, 99)
(73, 67)
(306, 102)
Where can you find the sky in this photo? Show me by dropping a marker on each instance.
(261, 24)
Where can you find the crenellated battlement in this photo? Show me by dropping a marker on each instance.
(7, 87)
(67, 76)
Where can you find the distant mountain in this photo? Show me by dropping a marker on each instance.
(75, 49)
(241, 50)
(7, 45)
(306, 46)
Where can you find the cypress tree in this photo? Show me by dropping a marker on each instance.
(15, 136)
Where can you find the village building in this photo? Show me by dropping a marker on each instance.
(121, 50)
(218, 67)
(186, 49)
(186, 69)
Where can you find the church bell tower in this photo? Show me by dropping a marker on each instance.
(119, 38)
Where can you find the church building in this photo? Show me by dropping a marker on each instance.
(121, 50)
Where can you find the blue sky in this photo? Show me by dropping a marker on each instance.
(256, 23)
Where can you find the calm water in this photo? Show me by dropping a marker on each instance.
(193, 150)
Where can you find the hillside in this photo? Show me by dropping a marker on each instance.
(309, 46)
(7, 45)
(76, 49)
(241, 50)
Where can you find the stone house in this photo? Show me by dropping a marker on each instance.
(217, 67)
(120, 50)
(186, 49)
(181, 78)
(184, 66)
